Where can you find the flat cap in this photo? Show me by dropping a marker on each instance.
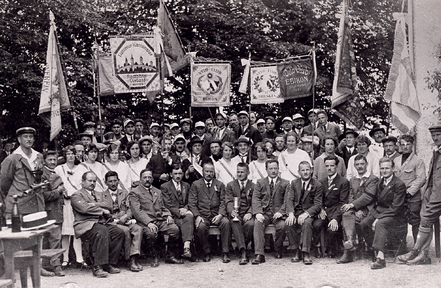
(24, 130)
(287, 118)
(127, 121)
(174, 125)
(185, 120)
(199, 124)
(315, 111)
(260, 121)
(390, 139)
(89, 124)
(154, 125)
(86, 134)
(243, 112)
(297, 116)
(145, 138)
(309, 139)
(434, 128)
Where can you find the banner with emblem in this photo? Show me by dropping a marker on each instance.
(265, 85)
(296, 78)
(210, 84)
(135, 65)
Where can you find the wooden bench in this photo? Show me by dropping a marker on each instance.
(23, 260)
(270, 229)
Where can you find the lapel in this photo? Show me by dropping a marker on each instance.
(308, 188)
(248, 188)
(172, 187)
(208, 191)
(25, 163)
(87, 195)
(120, 197)
(333, 184)
(276, 185)
(147, 194)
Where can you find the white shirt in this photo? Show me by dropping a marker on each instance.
(177, 185)
(387, 180)
(255, 168)
(373, 165)
(31, 160)
(289, 163)
(124, 175)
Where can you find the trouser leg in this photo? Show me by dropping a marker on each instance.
(116, 241)
(259, 235)
(98, 237)
(280, 234)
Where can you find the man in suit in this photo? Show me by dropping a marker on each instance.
(326, 128)
(116, 133)
(151, 214)
(241, 217)
(206, 138)
(221, 132)
(346, 148)
(175, 194)
(160, 164)
(123, 218)
(269, 207)
(286, 125)
(361, 199)
(335, 195)
(303, 204)
(207, 203)
(411, 169)
(192, 166)
(430, 206)
(388, 212)
(243, 146)
(390, 147)
(377, 133)
(245, 129)
(91, 209)
(299, 122)
(7, 150)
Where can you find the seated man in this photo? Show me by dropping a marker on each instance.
(388, 211)
(150, 213)
(175, 194)
(207, 203)
(336, 193)
(361, 197)
(123, 219)
(269, 207)
(241, 188)
(303, 204)
(90, 207)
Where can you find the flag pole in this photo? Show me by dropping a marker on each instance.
(96, 84)
(314, 80)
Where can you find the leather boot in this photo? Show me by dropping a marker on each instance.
(132, 265)
(412, 254)
(243, 259)
(346, 258)
(421, 259)
(297, 256)
(349, 244)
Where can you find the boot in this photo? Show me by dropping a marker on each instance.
(132, 264)
(243, 259)
(421, 259)
(412, 254)
(346, 258)
(349, 244)
(414, 233)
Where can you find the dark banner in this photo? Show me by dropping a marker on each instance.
(295, 78)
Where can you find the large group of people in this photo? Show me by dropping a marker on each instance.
(114, 195)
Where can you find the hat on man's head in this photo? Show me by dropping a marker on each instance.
(297, 116)
(185, 120)
(194, 140)
(86, 134)
(179, 137)
(174, 125)
(127, 121)
(25, 130)
(243, 139)
(166, 125)
(348, 131)
(154, 125)
(315, 111)
(221, 114)
(435, 128)
(199, 124)
(287, 118)
(310, 139)
(243, 112)
(390, 139)
(260, 121)
(117, 122)
(89, 124)
(145, 138)
(377, 127)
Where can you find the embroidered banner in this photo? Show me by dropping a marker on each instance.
(296, 78)
(265, 86)
(210, 84)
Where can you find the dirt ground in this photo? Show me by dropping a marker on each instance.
(274, 273)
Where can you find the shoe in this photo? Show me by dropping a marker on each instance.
(412, 254)
(187, 253)
(306, 259)
(64, 264)
(46, 273)
(421, 259)
(348, 244)
(267, 249)
(296, 257)
(226, 258)
(259, 260)
(133, 266)
(174, 260)
(346, 258)
(81, 265)
(110, 269)
(243, 259)
(59, 272)
(279, 255)
(207, 258)
(99, 272)
(155, 262)
(378, 264)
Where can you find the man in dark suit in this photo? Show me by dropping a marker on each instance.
(123, 218)
(160, 164)
(207, 203)
(151, 214)
(243, 146)
(241, 217)
(325, 128)
(346, 148)
(221, 132)
(313, 122)
(388, 211)
(430, 206)
(206, 138)
(303, 204)
(361, 199)
(90, 209)
(175, 194)
(192, 166)
(245, 129)
(269, 207)
(335, 194)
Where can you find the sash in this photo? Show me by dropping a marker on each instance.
(68, 180)
(196, 166)
(98, 180)
(120, 183)
(289, 170)
(257, 169)
(226, 169)
(136, 173)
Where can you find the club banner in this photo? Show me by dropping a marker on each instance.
(296, 78)
(265, 86)
(135, 65)
(210, 84)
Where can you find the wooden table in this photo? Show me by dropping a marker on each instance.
(29, 240)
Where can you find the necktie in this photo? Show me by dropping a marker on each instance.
(242, 186)
(94, 196)
(244, 157)
(303, 191)
(272, 187)
(329, 181)
(208, 185)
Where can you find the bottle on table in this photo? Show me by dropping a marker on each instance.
(15, 216)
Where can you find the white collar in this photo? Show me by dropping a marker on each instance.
(274, 179)
(176, 184)
(306, 182)
(245, 128)
(31, 160)
(332, 177)
(386, 181)
(367, 175)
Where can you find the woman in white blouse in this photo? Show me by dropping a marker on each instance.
(257, 167)
(136, 163)
(70, 174)
(94, 166)
(226, 167)
(114, 164)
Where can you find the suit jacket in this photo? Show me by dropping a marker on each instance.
(413, 174)
(390, 199)
(3, 156)
(345, 154)
(195, 175)
(309, 129)
(15, 178)
(311, 201)
(158, 165)
(227, 136)
(320, 169)
(262, 196)
(205, 202)
(147, 206)
(170, 197)
(334, 196)
(251, 133)
(245, 197)
(333, 130)
(120, 207)
(269, 135)
(363, 192)
(53, 197)
(87, 211)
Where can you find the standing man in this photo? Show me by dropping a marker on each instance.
(233, 122)
(245, 129)
(325, 128)
(280, 144)
(91, 210)
(287, 124)
(411, 169)
(160, 164)
(242, 188)
(139, 129)
(313, 122)
(304, 203)
(221, 132)
(362, 144)
(129, 128)
(243, 145)
(269, 207)
(186, 128)
(206, 138)
(207, 203)
(175, 194)
(299, 123)
(346, 148)
(154, 218)
(180, 148)
(192, 166)
(390, 147)
(116, 133)
(215, 150)
(123, 218)
(378, 133)
(260, 125)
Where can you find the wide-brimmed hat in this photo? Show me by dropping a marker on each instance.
(297, 116)
(435, 128)
(194, 140)
(145, 138)
(24, 130)
(35, 221)
(377, 127)
(314, 140)
(242, 139)
(348, 131)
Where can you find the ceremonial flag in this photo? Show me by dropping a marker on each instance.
(105, 75)
(54, 96)
(344, 100)
(210, 84)
(172, 43)
(401, 89)
(246, 74)
(265, 85)
(296, 78)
